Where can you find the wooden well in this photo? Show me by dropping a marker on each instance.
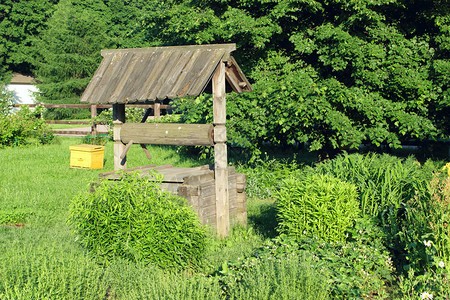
(146, 75)
(198, 186)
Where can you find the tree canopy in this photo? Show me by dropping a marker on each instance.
(330, 73)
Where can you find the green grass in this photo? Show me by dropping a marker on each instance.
(43, 260)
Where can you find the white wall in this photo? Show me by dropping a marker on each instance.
(23, 93)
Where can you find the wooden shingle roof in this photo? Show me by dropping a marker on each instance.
(147, 74)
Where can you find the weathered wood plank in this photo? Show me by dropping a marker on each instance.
(208, 188)
(220, 134)
(241, 215)
(144, 147)
(219, 101)
(167, 134)
(126, 149)
(241, 182)
(140, 168)
(197, 179)
(234, 71)
(170, 187)
(188, 190)
(180, 175)
(222, 196)
(220, 153)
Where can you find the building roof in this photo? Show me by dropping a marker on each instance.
(21, 79)
(147, 74)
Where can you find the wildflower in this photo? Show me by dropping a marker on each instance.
(427, 243)
(441, 264)
(426, 295)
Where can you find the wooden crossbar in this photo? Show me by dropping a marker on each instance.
(167, 134)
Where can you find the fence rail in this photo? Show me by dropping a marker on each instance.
(157, 107)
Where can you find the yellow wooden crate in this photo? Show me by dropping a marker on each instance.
(86, 156)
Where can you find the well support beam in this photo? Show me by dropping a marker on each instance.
(220, 152)
(119, 147)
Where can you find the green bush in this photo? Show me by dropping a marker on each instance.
(354, 269)
(317, 205)
(395, 191)
(133, 218)
(24, 127)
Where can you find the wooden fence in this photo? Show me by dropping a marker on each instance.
(157, 108)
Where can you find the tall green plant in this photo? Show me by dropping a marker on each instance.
(133, 218)
(317, 205)
(388, 186)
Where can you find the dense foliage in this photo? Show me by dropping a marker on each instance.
(331, 73)
(354, 269)
(23, 128)
(134, 219)
(388, 190)
(20, 23)
(317, 205)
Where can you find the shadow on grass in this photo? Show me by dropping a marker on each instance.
(262, 216)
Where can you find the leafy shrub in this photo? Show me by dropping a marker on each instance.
(388, 186)
(6, 101)
(317, 205)
(354, 269)
(133, 218)
(24, 127)
(382, 180)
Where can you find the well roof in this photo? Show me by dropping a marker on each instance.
(147, 74)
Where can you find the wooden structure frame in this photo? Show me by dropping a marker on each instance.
(150, 74)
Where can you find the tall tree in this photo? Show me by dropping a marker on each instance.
(20, 22)
(333, 73)
(69, 50)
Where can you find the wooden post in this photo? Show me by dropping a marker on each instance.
(93, 116)
(220, 151)
(119, 147)
(157, 110)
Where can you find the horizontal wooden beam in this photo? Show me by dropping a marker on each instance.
(68, 122)
(162, 106)
(167, 134)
